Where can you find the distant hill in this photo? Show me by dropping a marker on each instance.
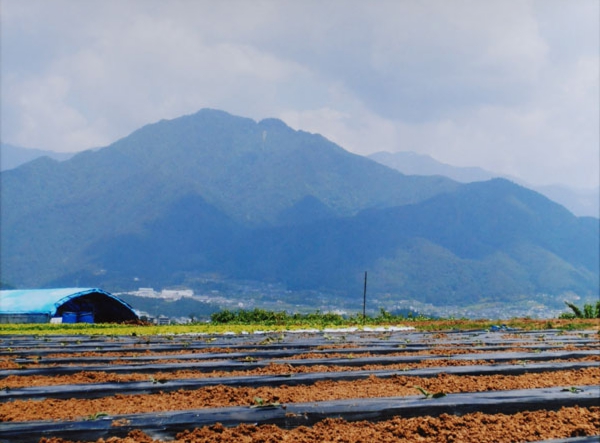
(212, 193)
(412, 163)
(12, 156)
(222, 171)
(582, 202)
(487, 241)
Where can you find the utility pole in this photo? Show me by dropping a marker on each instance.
(365, 300)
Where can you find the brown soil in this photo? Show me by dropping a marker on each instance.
(220, 396)
(440, 350)
(18, 381)
(477, 427)
(470, 428)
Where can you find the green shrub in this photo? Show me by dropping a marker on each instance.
(589, 311)
(318, 318)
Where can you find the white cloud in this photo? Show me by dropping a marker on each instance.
(43, 105)
(509, 85)
(149, 70)
(360, 131)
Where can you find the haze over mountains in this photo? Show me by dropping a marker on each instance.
(12, 156)
(211, 194)
(581, 202)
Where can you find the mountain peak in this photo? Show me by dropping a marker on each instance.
(273, 123)
(579, 202)
(211, 192)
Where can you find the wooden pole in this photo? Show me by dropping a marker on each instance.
(365, 300)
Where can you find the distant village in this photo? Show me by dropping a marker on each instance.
(272, 297)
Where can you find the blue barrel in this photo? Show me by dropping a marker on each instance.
(85, 317)
(69, 317)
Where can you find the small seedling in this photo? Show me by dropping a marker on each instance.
(572, 390)
(155, 381)
(428, 394)
(97, 415)
(260, 403)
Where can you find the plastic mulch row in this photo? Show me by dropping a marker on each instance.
(413, 341)
(165, 425)
(230, 365)
(259, 353)
(262, 352)
(98, 390)
(298, 339)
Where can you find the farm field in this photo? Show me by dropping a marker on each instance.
(483, 384)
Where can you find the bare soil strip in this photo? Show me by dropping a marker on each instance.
(315, 354)
(470, 428)
(221, 396)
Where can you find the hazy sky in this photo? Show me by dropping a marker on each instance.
(510, 86)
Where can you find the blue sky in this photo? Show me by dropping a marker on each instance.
(508, 85)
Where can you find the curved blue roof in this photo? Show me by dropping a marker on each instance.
(54, 301)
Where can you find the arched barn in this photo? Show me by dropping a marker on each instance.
(66, 305)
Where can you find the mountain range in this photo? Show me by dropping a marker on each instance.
(12, 156)
(581, 202)
(212, 194)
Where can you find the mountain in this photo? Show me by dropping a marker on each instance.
(412, 163)
(214, 167)
(12, 156)
(211, 196)
(581, 202)
(486, 241)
